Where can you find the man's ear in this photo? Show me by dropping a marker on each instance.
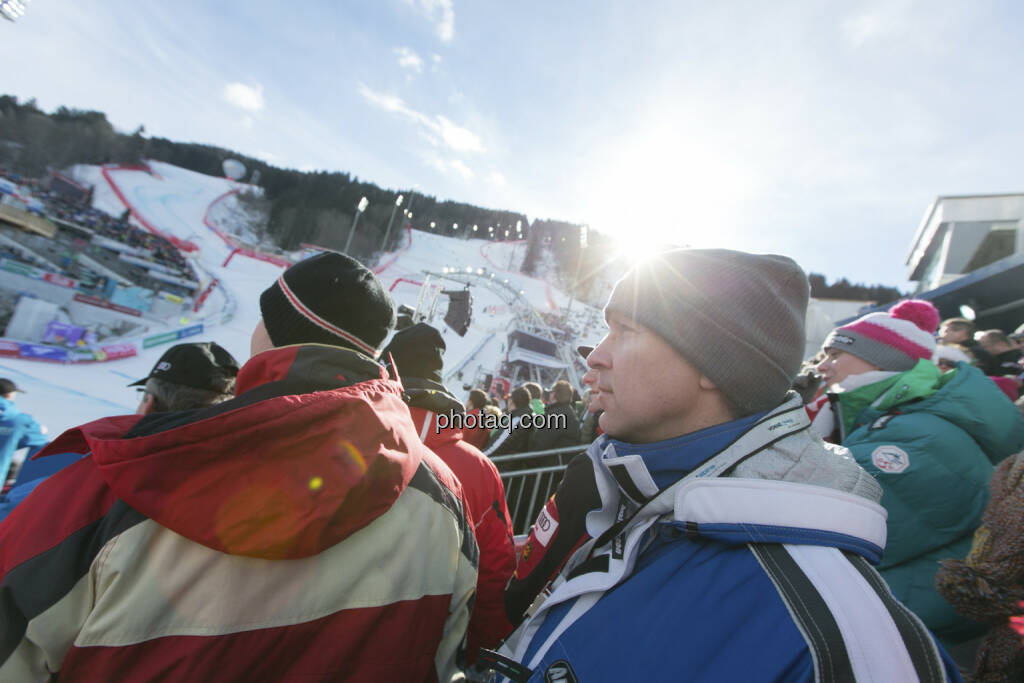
(706, 383)
(148, 404)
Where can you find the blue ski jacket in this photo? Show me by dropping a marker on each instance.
(17, 430)
(755, 564)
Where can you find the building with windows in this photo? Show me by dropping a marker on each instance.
(967, 257)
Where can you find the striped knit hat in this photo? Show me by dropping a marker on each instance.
(894, 340)
(328, 299)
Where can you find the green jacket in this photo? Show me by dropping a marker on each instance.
(931, 440)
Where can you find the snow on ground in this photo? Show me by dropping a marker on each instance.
(176, 201)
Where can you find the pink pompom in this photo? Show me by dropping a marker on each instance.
(921, 313)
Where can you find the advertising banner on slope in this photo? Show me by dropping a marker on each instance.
(158, 339)
(173, 335)
(21, 269)
(40, 352)
(64, 334)
(9, 348)
(190, 331)
(82, 356)
(96, 301)
(54, 278)
(115, 351)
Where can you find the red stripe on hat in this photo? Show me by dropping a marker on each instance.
(884, 335)
(317, 320)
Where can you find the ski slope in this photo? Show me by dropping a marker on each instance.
(178, 202)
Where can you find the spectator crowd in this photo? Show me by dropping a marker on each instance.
(120, 229)
(731, 510)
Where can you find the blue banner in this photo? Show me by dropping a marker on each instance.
(44, 352)
(190, 331)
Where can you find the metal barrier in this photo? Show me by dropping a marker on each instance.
(530, 479)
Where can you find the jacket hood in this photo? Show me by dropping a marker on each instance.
(427, 400)
(431, 395)
(787, 486)
(976, 404)
(964, 397)
(317, 444)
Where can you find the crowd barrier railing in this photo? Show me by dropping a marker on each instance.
(530, 479)
(183, 245)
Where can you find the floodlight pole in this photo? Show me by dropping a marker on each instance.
(579, 260)
(360, 207)
(387, 233)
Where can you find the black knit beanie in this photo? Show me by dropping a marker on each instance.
(328, 299)
(418, 352)
(736, 317)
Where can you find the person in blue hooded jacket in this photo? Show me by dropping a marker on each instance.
(17, 429)
(729, 543)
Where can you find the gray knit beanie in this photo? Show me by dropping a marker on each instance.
(736, 317)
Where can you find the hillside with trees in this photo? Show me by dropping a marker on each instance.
(319, 207)
(844, 289)
(304, 207)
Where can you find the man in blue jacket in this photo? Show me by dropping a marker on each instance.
(17, 429)
(730, 543)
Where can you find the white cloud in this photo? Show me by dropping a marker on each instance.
(247, 97)
(462, 169)
(883, 21)
(458, 138)
(497, 179)
(436, 128)
(407, 59)
(391, 103)
(442, 13)
(450, 166)
(438, 164)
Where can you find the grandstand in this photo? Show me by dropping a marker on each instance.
(74, 256)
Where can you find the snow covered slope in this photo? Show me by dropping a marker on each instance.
(177, 202)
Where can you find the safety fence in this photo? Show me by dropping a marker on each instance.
(530, 479)
(105, 169)
(236, 246)
(398, 252)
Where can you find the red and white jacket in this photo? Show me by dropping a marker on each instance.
(297, 532)
(485, 495)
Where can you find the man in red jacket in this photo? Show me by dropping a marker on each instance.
(476, 433)
(299, 531)
(417, 353)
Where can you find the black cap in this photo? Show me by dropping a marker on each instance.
(8, 387)
(328, 299)
(201, 365)
(418, 352)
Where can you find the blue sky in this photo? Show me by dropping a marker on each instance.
(817, 130)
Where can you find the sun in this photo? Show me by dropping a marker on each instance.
(663, 185)
(636, 250)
